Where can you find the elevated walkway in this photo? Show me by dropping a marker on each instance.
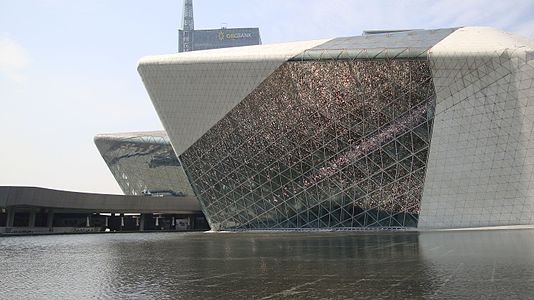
(40, 210)
(16, 196)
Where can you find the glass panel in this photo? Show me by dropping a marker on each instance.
(320, 144)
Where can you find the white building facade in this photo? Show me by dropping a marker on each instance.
(423, 128)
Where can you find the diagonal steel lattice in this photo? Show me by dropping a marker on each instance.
(320, 144)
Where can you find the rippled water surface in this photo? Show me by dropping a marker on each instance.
(470, 265)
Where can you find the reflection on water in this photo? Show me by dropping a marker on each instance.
(483, 264)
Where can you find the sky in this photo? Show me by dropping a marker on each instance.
(68, 67)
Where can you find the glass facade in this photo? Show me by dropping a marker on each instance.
(144, 164)
(320, 144)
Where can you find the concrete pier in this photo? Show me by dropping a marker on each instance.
(50, 220)
(33, 216)
(142, 222)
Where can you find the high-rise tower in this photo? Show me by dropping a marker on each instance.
(188, 25)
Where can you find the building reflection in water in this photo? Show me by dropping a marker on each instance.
(495, 264)
(470, 264)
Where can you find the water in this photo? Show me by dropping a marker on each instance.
(470, 265)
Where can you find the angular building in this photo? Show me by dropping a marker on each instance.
(144, 163)
(424, 128)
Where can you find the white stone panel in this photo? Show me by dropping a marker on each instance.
(481, 161)
(191, 91)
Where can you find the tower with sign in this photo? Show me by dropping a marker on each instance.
(191, 39)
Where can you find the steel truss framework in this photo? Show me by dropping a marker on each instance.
(320, 144)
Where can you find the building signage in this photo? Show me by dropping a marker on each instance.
(218, 38)
(234, 35)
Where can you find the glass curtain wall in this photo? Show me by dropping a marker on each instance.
(320, 144)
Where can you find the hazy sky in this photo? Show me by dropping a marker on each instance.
(68, 67)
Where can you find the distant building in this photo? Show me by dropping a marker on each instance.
(144, 163)
(190, 39)
(218, 38)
